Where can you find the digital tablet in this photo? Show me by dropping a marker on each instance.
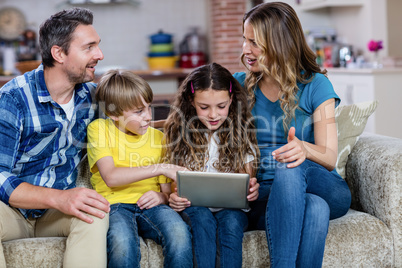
(214, 190)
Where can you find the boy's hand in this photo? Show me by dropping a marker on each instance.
(169, 170)
(178, 203)
(253, 189)
(151, 199)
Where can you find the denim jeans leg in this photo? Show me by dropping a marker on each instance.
(123, 242)
(165, 226)
(231, 225)
(299, 207)
(285, 215)
(332, 188)
(314, 233)
(203, 229)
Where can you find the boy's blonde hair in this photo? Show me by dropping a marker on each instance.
(121, 90)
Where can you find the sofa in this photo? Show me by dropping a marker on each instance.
(369, 235)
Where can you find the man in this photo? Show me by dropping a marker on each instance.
(45, 113)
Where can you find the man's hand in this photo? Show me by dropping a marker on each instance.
(79, 201)
(75, 202)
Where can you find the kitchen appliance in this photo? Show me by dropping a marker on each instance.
(192, 50)
(323, 41)
(345, 55)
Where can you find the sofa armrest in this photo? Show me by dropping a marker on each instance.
(374, 175)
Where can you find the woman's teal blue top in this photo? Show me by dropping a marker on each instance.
(269, 116)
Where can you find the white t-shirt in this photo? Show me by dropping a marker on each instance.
(69, 107)
(213, 156)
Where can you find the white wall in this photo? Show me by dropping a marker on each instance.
(394, 9)
(124, 28)
(357, 25)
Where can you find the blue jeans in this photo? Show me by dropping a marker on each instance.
(217, 236)
(295, 209)
(161, 223)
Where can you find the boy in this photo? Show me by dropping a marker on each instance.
(125, 159)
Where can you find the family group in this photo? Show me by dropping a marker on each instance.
(275, 122)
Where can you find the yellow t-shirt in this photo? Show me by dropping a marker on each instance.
(105, 139)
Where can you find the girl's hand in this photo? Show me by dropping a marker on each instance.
(253, 189)
(151, 199)
(294, 151)
(169, 170)
(178, 203)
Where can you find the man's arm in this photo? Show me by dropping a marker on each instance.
(17, 193)
(75, 202)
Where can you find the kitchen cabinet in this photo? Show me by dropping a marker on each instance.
(362, 85)
(310, 5)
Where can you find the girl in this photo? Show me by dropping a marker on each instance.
(209, 129)
(294, 105)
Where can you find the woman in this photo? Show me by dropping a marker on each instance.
(293, 104)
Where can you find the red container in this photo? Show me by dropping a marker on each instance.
(192, 60)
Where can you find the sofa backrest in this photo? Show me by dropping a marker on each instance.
(84, 174)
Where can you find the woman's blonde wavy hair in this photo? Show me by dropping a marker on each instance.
(285, 56)
(185, 135)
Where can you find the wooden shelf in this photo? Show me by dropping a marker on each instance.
(312, 5)
(95, 2)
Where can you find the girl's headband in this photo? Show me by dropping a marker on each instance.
(192, 88)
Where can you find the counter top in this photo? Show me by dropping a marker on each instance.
(163, 73)
(174, 73)
(364, 70)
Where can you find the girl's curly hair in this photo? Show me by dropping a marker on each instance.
(185, 135)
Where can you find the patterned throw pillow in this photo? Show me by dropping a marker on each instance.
(351, 121)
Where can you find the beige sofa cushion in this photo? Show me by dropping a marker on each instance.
(47, 252)
(357, 238)
(35, 252)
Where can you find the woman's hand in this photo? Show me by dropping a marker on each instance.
(294, 151)
(253, 190)
(178, 203)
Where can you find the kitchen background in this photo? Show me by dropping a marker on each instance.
(125, 27)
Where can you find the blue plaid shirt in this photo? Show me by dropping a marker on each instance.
(39, 145)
